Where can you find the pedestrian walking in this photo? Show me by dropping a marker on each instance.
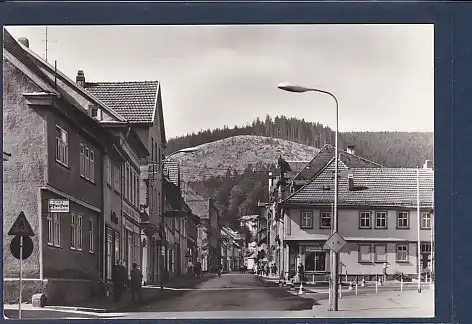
(198, 269)
(118, 279)
(301, 272)
(136, 283)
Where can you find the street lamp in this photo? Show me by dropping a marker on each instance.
(334, 256)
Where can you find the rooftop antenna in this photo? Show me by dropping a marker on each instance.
(46, 41)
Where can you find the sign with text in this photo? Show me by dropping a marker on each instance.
(58, 205)
(336, 242)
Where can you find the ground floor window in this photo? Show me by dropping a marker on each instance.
(109, 254)
(402, 252)
(315, 261)
(54, 229)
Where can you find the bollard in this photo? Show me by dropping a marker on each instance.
(340, 291)
(376, 286)
(363, 282)
(356, 289)
(401, 281)
(313, 278)
(301, 291)
(350, 285)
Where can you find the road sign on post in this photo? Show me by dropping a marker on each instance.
(335, 243)
(27, 247)
(21, 229)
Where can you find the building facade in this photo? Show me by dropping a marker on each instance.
(55, 176)
(145, 118)
(377, 215)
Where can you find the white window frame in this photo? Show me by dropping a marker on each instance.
(306, 215)
(76, 241)
(376, 254)
(403, 249)
(423, 248)
(91, 236)
(425, 220)
(62, 146)
(54, 229)
(87, 162)
(325, 215)
(108, 170)
(359, 249)
(383, 218)
(362, 217)
(137, 248)
(399, 219)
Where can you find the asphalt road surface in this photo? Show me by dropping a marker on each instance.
(231, 292)
(44, 314)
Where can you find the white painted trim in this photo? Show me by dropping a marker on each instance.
(17, 63)
(158, 90)
(71, 198)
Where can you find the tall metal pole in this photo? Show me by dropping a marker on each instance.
(418, 226)
(21, 276)
(334, 273)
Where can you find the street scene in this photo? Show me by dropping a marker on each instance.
(208, 185)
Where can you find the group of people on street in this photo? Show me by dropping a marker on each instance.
(195, 270)
(121, 281)
(242, 269)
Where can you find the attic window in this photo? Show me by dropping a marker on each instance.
(95, 112)
(326, 188)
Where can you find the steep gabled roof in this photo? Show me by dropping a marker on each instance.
(135, 100)
(323, 158)
(383, 187)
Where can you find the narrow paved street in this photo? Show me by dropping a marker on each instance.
(231, 292)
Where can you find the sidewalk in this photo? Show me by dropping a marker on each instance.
(383, 305)
(150, 294)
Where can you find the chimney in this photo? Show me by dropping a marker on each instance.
(80, 78)
(350, 149)
(24, 41)
(350, 178)
(428, 164)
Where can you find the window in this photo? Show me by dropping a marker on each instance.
(425, 220)
(402, 220)
(288, 226)
(116, 178)
(137, 190)
(62, 146)
(402, 253)
(94, 112)
(117, 247)
(109, 255)
(364, 253)
(76, 232)
(91, 236)
(380, 220)
(380, 253)
(108, 170)
(54, 229)
(137, 246)
(365, 220)
(306, 219)
(425, 247)
(325, 220)
(87, 162)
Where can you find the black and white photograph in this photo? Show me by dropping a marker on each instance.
(218, 171)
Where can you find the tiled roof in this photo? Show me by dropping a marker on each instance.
(135, 101)
(296, 167)
(199, 204)
(385, 187)
(171, 170)
(325, 155)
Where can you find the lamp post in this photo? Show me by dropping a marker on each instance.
(334, 256)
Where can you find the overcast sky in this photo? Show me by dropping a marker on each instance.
(211, 76)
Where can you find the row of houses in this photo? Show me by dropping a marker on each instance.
(377, 216)
(86, 165)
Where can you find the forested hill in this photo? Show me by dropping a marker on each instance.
(393, 149)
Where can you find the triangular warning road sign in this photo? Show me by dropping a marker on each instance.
(21, 226)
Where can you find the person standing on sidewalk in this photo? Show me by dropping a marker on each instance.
(117, 277)
(301, 272)
(190, 267)
(136, 282)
